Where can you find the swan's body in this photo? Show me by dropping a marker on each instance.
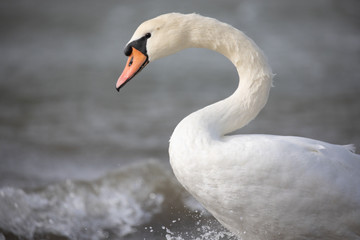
(258, 186)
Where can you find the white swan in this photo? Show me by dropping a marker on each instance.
(258, 186)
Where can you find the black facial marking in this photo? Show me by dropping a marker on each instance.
(127, 50)
(139, 44)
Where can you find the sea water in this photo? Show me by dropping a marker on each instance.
(140, 201)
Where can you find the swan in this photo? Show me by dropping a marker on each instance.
(257, 186)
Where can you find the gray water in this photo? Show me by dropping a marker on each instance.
(79, 160)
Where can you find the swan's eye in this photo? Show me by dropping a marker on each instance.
(148, 35)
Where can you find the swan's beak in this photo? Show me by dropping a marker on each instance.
(135, 63)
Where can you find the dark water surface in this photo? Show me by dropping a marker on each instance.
(80, 161)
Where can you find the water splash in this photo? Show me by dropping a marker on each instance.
(193, 224)
(204, 230)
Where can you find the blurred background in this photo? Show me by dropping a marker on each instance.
(61, 118)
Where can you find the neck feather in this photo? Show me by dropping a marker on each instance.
(255, 76)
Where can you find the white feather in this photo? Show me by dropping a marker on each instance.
(271, 187)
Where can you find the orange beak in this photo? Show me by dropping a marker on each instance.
(135, 63)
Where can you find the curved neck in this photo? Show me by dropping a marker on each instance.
(255, 77)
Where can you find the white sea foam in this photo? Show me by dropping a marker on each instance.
(138, 201)
(115, 203)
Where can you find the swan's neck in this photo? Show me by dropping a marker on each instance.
(255, 79)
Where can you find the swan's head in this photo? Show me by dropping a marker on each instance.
(153, 39)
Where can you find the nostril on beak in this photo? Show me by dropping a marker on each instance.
(131, 61)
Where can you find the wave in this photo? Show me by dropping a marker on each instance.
(142, 199)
